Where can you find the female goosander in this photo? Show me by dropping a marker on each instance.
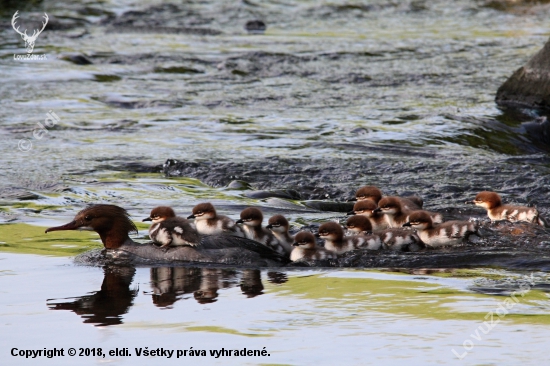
(113, 224)
(305, 247)
(252, 218)
(367, 208)
(447, 233)
(397, 215)
(169, 229)
(497, 211)
(394, 239)
(279, 226)
(335, 240)
(208, 222)
(374, 194)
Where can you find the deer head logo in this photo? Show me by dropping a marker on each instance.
(29, 40)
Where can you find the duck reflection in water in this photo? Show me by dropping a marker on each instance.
(169, 284)
(106, 306)
(251, 283)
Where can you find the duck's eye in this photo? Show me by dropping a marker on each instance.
(199, 213)
(275, 225)
(87, 217)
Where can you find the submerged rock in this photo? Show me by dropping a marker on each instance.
(255, 27)
(529, 86)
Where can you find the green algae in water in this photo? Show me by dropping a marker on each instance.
(28, 239)
(417, 299)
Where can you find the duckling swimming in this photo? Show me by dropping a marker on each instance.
(252, 218)
(447, 233)
(305, 247)
(394, 239)
(279, 226)
(497, 211)
(335, 241)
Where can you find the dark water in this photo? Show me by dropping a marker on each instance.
(176, 104)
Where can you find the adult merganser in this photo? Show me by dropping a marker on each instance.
(252, 218)
(113, 224)
(169, 229)
(497, 211)
(374, 194)
(367, 208)
(305, 247)
(279, 225)
(447, 233)
(394, 238)
(397, 215)
(335, 241)
(208, 222)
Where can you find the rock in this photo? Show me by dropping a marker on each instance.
(538, 130)
(289, 194)
(529, 86)
(77, 59)
(255, 27)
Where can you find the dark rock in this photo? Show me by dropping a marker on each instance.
(330, 206)
(77, 59)
(255, 27)
(538, 130)
(238, 185)
(289, 194)
(530, 85)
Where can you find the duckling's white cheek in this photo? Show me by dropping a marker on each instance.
(85, 228)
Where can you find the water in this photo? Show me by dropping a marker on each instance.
(319, 316)
(333, 96)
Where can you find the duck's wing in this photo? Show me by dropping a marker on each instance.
(222, 241)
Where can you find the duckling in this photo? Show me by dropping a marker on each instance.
(374, 194)
(497, 211)
(169, 229)
(394, 239)
(305, 247)
(279, 226)
(208, 222)
(447, 233)
(335, 241)
(396, 215)
(252, 218)
(367, 208)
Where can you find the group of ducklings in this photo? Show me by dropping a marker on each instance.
(376, 222)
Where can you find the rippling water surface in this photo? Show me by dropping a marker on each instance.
(333, 96)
